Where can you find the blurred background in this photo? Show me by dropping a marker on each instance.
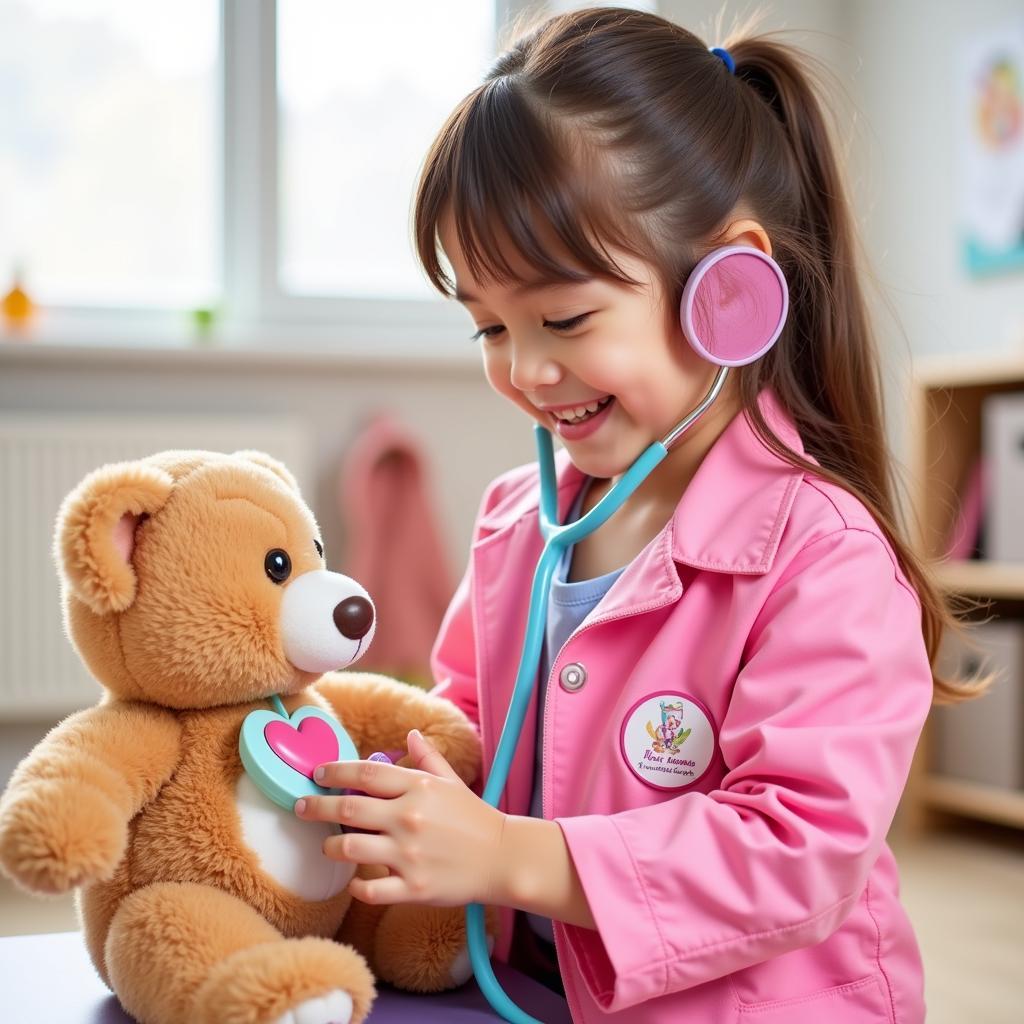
(204, 242)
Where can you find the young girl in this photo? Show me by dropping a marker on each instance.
(737, 664)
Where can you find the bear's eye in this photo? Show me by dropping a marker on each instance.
(278, 565)
(319, 548)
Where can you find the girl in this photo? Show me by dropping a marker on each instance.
(737, 664)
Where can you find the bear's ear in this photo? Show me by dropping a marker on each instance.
(95, 534)
(267, 462)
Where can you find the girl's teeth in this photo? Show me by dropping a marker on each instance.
(571, 415)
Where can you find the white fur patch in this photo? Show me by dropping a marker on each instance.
(333, 1008)
(461, 969)
(289, 849)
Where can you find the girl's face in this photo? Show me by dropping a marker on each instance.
(615, 350)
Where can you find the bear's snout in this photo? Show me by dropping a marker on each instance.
(353, 617)
(327, 621)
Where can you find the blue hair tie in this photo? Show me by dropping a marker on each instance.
(720, 51)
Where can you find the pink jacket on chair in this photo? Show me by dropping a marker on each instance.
(741, 871)
(393, 547)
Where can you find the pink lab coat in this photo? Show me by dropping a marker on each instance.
(750, 881)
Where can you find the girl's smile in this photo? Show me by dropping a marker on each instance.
(574, 422)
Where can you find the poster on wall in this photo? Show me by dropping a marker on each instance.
(990, 143)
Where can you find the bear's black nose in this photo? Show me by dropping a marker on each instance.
(353, 617)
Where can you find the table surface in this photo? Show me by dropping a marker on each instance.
(50, 978)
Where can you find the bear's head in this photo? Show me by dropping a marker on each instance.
(193, 579)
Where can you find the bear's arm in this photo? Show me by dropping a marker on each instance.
(64, 816)
(378, 713)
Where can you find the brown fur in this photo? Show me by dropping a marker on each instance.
(133, 800)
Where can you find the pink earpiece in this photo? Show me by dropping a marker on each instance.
(734, 305)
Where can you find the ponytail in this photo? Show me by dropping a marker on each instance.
(834, 386)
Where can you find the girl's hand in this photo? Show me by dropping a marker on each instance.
(440, 841)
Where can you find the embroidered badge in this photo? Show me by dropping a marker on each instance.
(668, 740)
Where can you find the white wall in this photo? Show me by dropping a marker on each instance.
(906, 85)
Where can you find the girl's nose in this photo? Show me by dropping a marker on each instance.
(532, 366)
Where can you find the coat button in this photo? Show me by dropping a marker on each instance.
(572, 677)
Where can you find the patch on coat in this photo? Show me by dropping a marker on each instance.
(668, 739)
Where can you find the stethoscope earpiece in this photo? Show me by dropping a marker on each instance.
(734, 305)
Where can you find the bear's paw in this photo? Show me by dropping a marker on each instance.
(333, 1008)
(54, 838)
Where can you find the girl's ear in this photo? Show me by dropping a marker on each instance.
(95, 535)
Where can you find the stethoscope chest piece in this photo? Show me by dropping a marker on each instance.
(280, 751)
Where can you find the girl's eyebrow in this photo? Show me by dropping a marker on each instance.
(528, 286)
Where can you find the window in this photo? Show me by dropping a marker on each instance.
(109, 151)
(362, 90)
(255, 155)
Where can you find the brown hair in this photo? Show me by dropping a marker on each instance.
(617, 127)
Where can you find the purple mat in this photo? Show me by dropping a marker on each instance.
(50, 978)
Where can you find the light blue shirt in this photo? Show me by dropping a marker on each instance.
(568, 605)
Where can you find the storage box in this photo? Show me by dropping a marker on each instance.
(982, 740)
(1002, 426)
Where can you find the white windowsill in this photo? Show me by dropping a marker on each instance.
(167, 341)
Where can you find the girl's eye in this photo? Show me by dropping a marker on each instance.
(484, 332)
(558, 325)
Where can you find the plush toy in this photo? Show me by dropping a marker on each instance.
(194, 589)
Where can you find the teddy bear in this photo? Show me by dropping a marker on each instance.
(195, 590)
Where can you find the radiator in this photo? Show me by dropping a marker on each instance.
(41, 460)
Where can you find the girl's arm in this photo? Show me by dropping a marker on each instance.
(443, 845)
(537, 873)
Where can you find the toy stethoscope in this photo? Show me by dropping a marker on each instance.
(732, 311)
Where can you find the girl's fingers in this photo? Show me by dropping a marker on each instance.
(373, 777)
(357, 811)
(428, 758)
(362, 849)
(392, 889)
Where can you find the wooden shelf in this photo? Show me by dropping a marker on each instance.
(1003, 806)
(983, 579)
(948, 401)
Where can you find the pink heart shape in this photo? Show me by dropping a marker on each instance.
(304, 748)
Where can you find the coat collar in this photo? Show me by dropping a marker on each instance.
(730, 517)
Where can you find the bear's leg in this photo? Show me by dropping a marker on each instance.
(414, 947)
(184, 952)
(96, 905)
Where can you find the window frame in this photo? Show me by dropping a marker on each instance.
(251, 210)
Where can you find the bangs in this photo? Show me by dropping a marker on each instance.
(514, 184)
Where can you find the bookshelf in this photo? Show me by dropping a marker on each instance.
(946, 437)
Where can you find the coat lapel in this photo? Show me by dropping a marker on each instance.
(730, 519)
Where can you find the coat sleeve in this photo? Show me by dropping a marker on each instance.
(453, 655)
(826, 711)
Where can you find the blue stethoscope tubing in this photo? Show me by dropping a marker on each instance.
(557, 538)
